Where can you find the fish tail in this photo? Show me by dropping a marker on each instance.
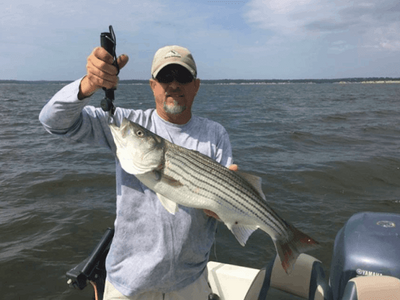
(289, 250)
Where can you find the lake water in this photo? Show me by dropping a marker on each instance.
(324, 152)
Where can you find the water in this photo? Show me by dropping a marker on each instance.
(324, 152)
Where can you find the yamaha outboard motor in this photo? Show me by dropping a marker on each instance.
(367, 245)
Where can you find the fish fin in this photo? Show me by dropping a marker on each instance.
(241, 232)
(289, 250)
(169, 205)
(171, 181)
(255, 181)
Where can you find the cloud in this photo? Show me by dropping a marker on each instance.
(46, 39)
(364, 23)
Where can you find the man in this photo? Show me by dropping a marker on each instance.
(154, 255)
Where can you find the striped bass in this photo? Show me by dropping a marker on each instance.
(186, 177)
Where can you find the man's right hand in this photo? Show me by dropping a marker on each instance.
(100, 72)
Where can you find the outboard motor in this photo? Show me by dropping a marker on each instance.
(367, 245)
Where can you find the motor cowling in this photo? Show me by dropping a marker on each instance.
(367, 245)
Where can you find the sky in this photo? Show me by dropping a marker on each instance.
(255, 39)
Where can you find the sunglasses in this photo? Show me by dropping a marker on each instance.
(174, 72)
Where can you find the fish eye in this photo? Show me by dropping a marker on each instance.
(139, 133)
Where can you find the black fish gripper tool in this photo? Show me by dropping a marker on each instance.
(108, 42)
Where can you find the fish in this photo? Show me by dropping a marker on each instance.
(180, 176)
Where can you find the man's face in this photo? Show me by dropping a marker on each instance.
(174, 91)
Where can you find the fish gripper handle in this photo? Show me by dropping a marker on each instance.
(108, 42)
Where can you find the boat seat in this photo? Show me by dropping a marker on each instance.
(307, 280)
(372, 288)
(230, 282)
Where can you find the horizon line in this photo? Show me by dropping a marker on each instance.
(225, 79)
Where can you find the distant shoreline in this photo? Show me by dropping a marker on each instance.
(377, 81)
(372, 80)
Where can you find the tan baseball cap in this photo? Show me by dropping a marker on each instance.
(173, 55)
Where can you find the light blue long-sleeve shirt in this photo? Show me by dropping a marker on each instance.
(152, 250)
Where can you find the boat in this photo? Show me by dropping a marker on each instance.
(365, 266)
